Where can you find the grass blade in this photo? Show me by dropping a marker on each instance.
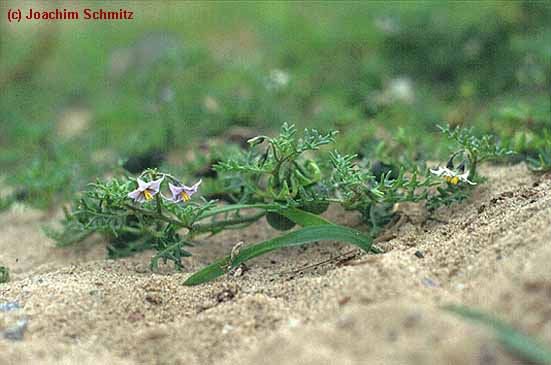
(513, 340)
(295, 238)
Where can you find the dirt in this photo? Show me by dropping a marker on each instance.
(491, 253)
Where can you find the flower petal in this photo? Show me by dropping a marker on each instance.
(175, 189)
(190, 190)
(465, 177)
(155, 185)
(176, 192)
(137, 195)
(142, 185)
(442, 171)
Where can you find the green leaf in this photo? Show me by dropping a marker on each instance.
(4, 274)
(303, 218)
(512, 339)
(307, 219)
(295, 238)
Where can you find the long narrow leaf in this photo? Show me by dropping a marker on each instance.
(512, 339)
(294, 238)
(303, 218)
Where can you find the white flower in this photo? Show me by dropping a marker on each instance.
(183, 193)
(451, 176)
(146, 190)
(388, 25)
(401, 89)
(278, 79)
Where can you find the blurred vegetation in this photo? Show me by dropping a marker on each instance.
(80, 99)
(4, 274)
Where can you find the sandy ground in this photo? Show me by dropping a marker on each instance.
(492, 253)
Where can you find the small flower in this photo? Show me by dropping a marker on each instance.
(183, 193)
(451, 176)
(146, 190)
(278, 79)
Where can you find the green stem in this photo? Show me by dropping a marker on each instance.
(230, 208)
(474, 162)
(159, 205)
(156, 215)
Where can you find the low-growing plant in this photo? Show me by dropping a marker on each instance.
(279, 170)
(43, 182)
(7, 201)
(359, 189)
(473, 150)
(286, 178)
(134, 214)
(543, 162)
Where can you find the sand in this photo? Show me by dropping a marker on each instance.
(492, 252)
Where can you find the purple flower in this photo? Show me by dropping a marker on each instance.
(146, 190)
(183, 193)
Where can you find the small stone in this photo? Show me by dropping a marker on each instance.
(392, 336)
(227, 329)
(293, 323)
(419, 254)
(141, 268)
(16, 333)
(240, 270)
(225, 295)
(155, 334)
(345, 321)
(9, 306)
(507, 194)
(344, 300)
(135, 316)
(412, 320)
(154, 298)
(429, 282)
(481, 208)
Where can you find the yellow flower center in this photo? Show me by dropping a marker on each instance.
(147, 194)
(185, 196)
(447, 178)
(455, 180)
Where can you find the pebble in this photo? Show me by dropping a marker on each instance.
(227, 329)
(419, 254)
(154, 298)
(9, 306)
(345, 321)
(412, 320)
(429, 282)
(16, 333)
(293, 323)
